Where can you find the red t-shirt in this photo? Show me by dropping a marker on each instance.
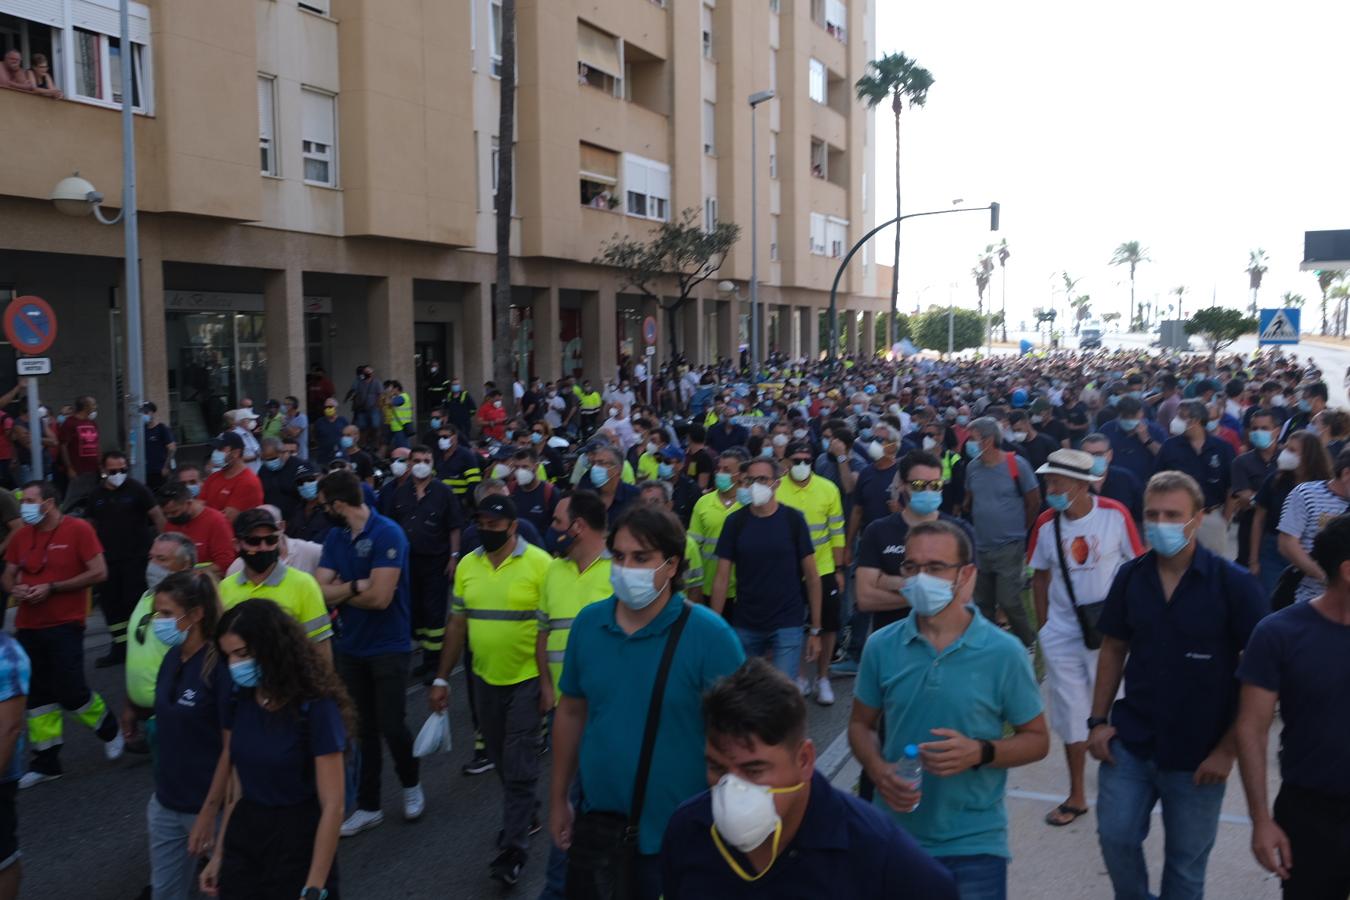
(494, 421)
(80, 438)
(212, 534)
(243, 491)
(6, 445)
(44, 557)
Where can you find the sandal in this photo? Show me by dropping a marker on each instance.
(1063, 809)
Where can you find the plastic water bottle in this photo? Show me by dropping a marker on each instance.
(910, 770)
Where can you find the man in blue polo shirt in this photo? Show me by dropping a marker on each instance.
(1135, 439)
(947, 679)
(1194, 450)
(772, 825)
(1174, 625)
(364, 575)
(609, 671)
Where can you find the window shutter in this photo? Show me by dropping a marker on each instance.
(266, 113)
(598, 50)
(316, 117)
(599, 164)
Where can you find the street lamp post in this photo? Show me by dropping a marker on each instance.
(755, 100)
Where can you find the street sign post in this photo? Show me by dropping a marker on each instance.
(30, 325)
(1278, 326)
(649, 338)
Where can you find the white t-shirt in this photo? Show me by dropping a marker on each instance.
(1095, 546)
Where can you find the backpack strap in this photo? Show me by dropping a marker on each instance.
(1011, 459)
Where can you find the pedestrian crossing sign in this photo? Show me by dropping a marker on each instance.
(1279, 326)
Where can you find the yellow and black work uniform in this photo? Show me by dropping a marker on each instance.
(589, 404)
(293, 590)
(429, 518)
(705, 527)
(459, 468)
(567, 590)
(399, 418)
(820, 502)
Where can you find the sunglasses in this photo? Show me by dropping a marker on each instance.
(934, 485)
(266, 540)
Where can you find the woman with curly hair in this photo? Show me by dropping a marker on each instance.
(284, 736)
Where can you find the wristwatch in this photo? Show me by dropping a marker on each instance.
(986, 754)
(439, 682)
(814, 632)
(1094, 721)
(313, 893)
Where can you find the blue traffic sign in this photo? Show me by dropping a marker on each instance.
(1279, 326)
(30, 325)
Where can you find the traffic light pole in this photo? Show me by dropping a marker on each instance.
(843, 264)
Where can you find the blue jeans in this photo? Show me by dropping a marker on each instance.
(1272, 563)
(783, 647)
(173, 874)
(980, 877)
(1126, 793)
(555, 875)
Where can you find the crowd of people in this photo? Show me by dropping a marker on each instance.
(651, 591)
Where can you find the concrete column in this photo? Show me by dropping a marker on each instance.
(154, 349)
(728, 329)
(389, 323)
(811, 332)
(599, 351)
(691, 330)
(782, 337)
(850, 319)
(547, 330)
(794, 347)
(869, 333)
(284, 323)
(476, 314)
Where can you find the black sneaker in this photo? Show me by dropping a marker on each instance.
(113, 658)
(506, 867)
(478, 765)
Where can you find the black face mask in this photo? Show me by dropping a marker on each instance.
(260, 560)
(493, 540)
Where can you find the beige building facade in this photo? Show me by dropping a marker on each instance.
(316, 185)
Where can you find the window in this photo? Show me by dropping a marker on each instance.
(599, 60)
(82, 42)
(836, 19)
(267, 124)
(820, 159)
(710, 214)
(318, 6)
(773, 237)
(707, 32)
(318, 133)
(599, 177)
(775, 6)
(494, 158)
(816, 81)
(646, 184)
(495, 36)
(836, 236)
(818, 238)
(773, 154)
(773, 69)
(709, 128)
(98, 68)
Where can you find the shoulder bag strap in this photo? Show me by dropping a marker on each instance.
(654, 721)
(1063, 563)
(1011, 460)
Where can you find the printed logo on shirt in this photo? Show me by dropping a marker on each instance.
(363, 547)
(1202, 657)
(893, 550)
(392, 553)
(188, 697)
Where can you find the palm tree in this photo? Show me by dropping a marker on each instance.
(1341, 293)
(1290, 300)
(1256, 267)
(1069, 285)
(1082, 310)
(899, 78)
(1003, 255)
(1325, 279)
(1181, 295)
(504, 357)
(1130, 253)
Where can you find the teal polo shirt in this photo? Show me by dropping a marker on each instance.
(614, 673)
(981, 681)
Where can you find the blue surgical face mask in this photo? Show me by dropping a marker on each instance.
(217, 458)
(309, 490)
(347, 441)
(723, 480)
(1305, 405)
(1113, 400)
(1261, 439)
(245, 672)
(928, 594)
(145, 417)
(435, 423)
(1168, 538)
(536, 437)
(1099, 465)
(166, 631)
(599, 476)
(274, 465)
(973, 449)
(1057, 502)
(743, 496)
(962, 420)
(195, 489)
(636, 588)
(1128, 424)
(925, 502)
(31, 513)
(664, 470)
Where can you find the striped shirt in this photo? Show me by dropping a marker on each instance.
(15, 673)
(1306, 512)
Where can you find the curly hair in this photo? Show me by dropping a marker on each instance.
(293, 671)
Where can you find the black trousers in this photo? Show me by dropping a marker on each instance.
(268, 850)
(1318, 826)
(119, 594)
(58, 686)
(378, 686)
(430, 597)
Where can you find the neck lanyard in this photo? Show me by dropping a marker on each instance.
(735, 866)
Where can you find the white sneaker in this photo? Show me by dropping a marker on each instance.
(361, 820)
(113, 749)
(824, 693)
(31, 778)
(414, 802)
(804, 685)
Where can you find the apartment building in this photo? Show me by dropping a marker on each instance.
(316, 181)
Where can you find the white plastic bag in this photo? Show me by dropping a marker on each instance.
(434, 736)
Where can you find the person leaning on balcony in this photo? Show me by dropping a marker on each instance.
(41, 80)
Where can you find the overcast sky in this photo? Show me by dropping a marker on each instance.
(1202, 129)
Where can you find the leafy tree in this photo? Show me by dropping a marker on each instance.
(1340, 293)
(1082, 311)
(930, 330)
(1256, 267)
(680, 250)
(883, 328)
(897, 78)
(1003, 255)
(1290, 300)
(1130, 253)
(1111, 317)
(1325, 279)
(1180, 293)
(1219, 327)
(503, 355)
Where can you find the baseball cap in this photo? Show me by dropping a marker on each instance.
(228, 440)
(304, 472)
(497, 506)
(249, 519)
(672, 452)
(246, 412)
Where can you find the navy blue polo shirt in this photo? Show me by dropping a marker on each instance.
(624, 495)
(722, 438)
(382, 544)
(428, 521)
(767, 552)
(872, 492)
(273, 751)
(1212, 467)
(843, 848)
(1124, 487)
(189, 717)
(1181, 688)
(1129, 452)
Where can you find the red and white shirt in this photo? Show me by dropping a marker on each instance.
(1095, 546)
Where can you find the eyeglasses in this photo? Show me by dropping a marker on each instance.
(934, 485)
(264, 540)
(909, 569)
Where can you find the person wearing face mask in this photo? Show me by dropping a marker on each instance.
(1174, 625)
(769, 544)
(232, 487)
(660, 494)
(623, 726)
(308, 522)
(208, 530)
(50, 565)
(396, 406)
(189, 692)
(1207, 459)
(364, 396)
(605, 476)
(244, 423)
(1029, 443)
(328, 431)
(460, 406)
(1086, 539)
(710, 516)
(277, 476)
(819, 502)
(702, 463)
(771, 824)
(160, 447)
(495, 604)
(684, 492)
(295, 426)
(871, 493)
(1250, 470)
(264, 574)
(649, 457)
(1307, 508)
(400, 470)
(1135, 440)
(1312, 401)
(491, 418)
(927, 675)
(126, 517)
(296, 553)
(1114, 482)
(725, 433)
(456, 465)
(78, 441)
(283, 739)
